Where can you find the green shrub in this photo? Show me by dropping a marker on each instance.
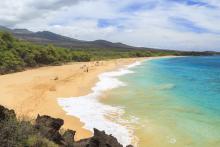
(16, 55)
(9, 62)
(14, 133)
(37, 141)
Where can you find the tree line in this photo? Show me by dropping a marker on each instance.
(17, 55)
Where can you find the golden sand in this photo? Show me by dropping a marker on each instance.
(36, 91)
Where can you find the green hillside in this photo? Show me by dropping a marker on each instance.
(17, 55)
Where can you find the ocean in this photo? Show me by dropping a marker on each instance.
(157, 103)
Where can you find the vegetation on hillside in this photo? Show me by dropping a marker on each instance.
(16, 55)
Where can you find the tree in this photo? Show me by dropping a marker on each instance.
(8, 39)
(9, 62)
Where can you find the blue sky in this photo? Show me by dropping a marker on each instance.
(171, 24)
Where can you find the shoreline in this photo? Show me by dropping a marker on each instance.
(93, 113)
(35, 91)
(97, 115)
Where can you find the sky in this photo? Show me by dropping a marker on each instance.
(166, 24)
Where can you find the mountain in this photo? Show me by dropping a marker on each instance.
(22, 31)
(46, 37)
(4, 28)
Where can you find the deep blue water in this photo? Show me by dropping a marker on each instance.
(177, 101)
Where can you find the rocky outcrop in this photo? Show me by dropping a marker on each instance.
(68, 137)
(49, 128)
(100, 139)
(6, 114)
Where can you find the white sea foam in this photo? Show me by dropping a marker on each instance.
(171, 140)
(97, 115)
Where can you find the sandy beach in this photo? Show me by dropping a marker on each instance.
(35, 91)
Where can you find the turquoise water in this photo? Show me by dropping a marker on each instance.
(175, 102)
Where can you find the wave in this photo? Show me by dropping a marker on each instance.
(101, 116)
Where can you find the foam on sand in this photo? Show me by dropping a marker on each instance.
(97, 115)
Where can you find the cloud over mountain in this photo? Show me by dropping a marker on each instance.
(174, 24)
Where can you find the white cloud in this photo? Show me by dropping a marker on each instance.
(150, 27)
